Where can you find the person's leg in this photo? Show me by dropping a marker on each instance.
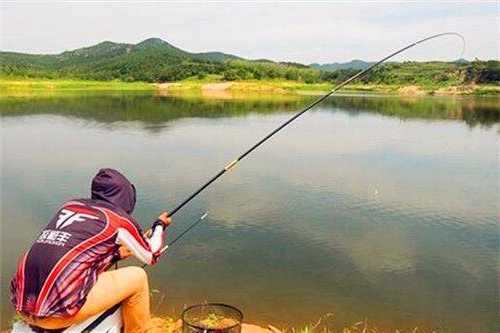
(128, 285)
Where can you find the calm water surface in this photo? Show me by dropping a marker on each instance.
(369, 207)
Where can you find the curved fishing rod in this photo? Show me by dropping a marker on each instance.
(307, 108)
(286, 123)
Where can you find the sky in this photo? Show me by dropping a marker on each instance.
(304, 32)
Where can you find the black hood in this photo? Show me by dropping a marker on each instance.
(111, 186)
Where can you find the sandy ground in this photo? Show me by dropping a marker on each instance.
(162, 325)
(454, 90)
(166, 85)
(411, 91)
(216, 86)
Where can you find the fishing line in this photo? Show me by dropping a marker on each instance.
(172, 242)
(200, 219)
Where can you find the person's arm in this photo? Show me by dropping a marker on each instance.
(146, 249)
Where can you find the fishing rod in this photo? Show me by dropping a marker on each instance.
(231, 164)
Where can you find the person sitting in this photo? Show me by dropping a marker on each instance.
(64, 279)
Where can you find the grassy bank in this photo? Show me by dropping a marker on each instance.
(214, 86)
(216, 83)
(27, 87)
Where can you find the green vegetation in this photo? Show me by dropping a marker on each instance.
(13, 86)
(427, 74)
(218, 83)
(155, 60)
(152, 60)
(353, 64)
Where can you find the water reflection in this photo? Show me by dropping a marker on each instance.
(154, 110)
(472, 110)
(351, 211)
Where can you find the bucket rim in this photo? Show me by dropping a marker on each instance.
(212, 304)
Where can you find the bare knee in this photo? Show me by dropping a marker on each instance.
(139, 272)
(137, 277)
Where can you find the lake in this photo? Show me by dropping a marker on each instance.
(375, 207)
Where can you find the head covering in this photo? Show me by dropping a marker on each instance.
(111, 186)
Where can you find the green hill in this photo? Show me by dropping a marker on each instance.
(152, 60)
(353, 64)
(155, 60)
(215, 56)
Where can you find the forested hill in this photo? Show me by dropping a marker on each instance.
(155, 60)
(152, 60)
(353, 64)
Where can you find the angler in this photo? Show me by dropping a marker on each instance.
(63, 278)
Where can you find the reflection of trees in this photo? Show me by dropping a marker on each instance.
(484, 111)
(148, 109)
(156, 110)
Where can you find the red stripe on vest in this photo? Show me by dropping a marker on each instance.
(66, 259)
(122, 222)
(20, 283)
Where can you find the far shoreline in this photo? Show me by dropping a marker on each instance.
(218, 89)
